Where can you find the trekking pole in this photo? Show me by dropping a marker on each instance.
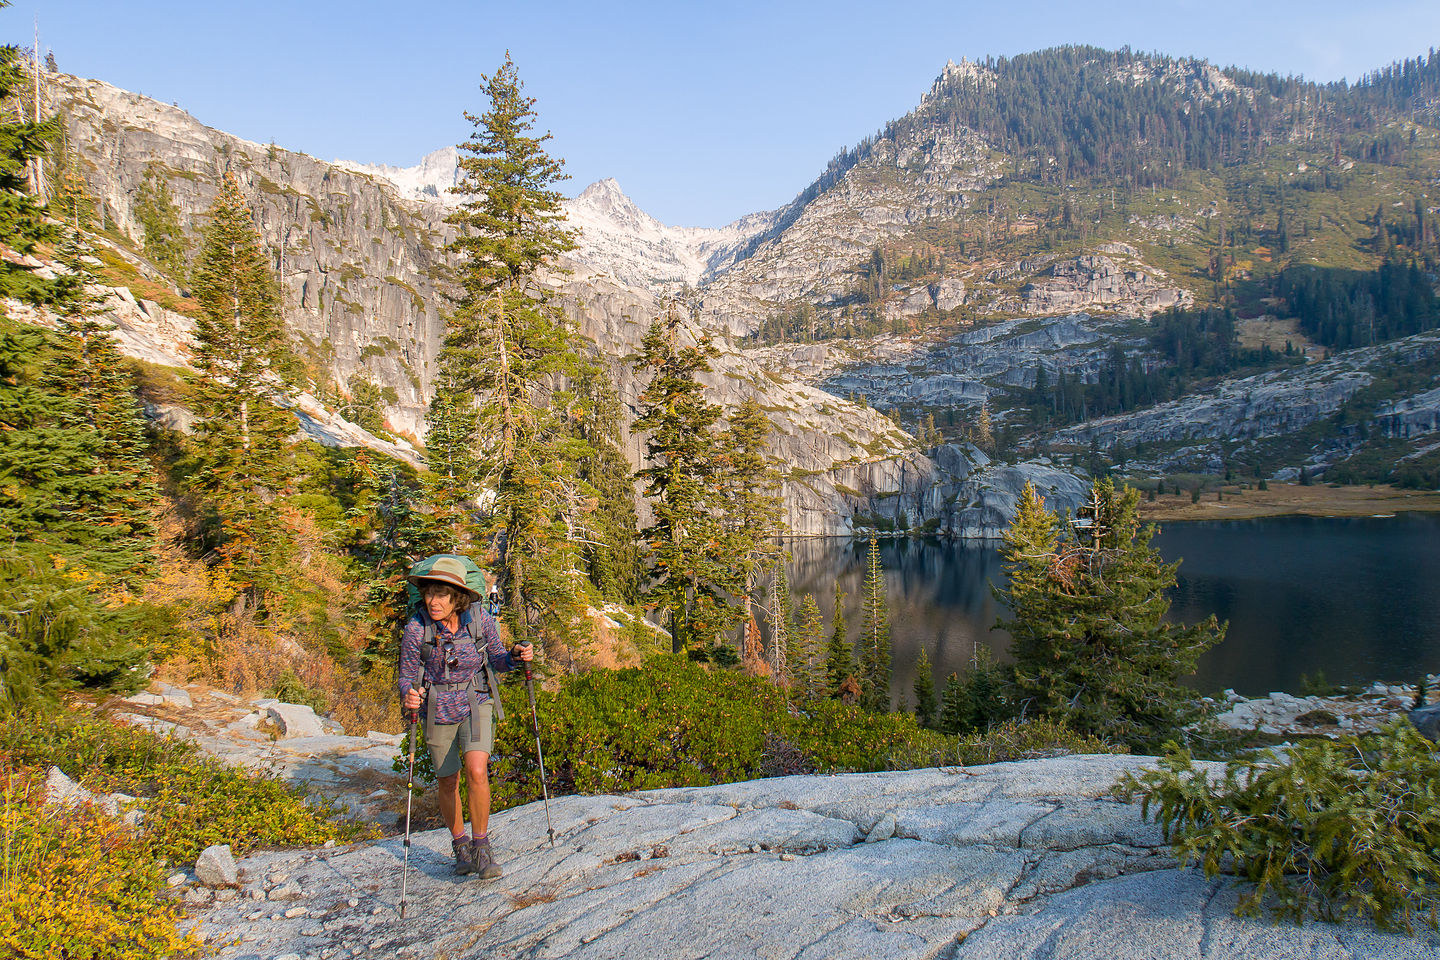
(535, 719)
(409, 799)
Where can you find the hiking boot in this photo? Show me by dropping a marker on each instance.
(484, 860)
(464, 856)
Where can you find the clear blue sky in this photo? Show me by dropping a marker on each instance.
(702, 111)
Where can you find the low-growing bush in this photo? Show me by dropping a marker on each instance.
(1337, 828)
(674, 723)
(75, 883)
(190, 800)
(291, 689)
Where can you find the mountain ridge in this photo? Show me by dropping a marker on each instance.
(930, 228)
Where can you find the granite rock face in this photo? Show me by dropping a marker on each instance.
(358, 266)
(1274, 403)
(1097, 281)
(1033, 859)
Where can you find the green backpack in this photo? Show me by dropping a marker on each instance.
(474, 576)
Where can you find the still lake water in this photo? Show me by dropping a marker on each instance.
(1355, 598)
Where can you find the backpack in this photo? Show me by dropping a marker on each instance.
(474, 576)
(475, 580)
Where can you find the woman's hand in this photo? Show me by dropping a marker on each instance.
(413, 698)
(524, 651)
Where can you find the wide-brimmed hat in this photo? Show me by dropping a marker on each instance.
(449, 571)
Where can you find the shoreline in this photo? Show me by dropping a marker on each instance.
(1291, 499)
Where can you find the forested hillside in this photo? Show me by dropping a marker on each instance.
(1212, 224)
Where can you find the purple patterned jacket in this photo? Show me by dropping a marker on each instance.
(451, 706)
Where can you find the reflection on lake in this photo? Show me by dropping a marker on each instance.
(1356, 598)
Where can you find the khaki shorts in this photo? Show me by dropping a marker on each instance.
(453, 739)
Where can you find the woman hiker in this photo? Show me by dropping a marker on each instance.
(460, 698)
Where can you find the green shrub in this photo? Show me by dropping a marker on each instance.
(291, 689)
(1344, 827)
(674, 723)
(190, 800)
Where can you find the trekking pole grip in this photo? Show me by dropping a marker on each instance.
(525, 663)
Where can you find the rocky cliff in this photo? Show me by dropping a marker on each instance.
(1238, 412)
(359, 268)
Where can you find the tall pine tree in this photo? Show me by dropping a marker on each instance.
(242, 445)
(749, 484)
(611, 552)
(509, 356)
(806, 657)
(688, 573)
(924, 689)
(839, 662)
(781, 618)
(22, 224)
(873, 643)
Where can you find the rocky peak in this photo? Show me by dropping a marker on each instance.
(1190, 77)
(620, 239)
(429, 181)
(955, 74)
(607, 197)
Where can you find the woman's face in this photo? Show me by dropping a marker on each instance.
(441, 601)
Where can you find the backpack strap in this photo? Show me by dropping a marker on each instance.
(481, 680)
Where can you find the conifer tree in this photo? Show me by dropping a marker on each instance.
(22, 224)
(873, 642)
(242, 444)
(805, 654)
(924, 689)
(954, 707)
(749, 485)
(452, 429)
(387, 530)
(975, 701)
(1090, 641)
(611, 552)
(781, 618)
(76, 525)
(838, 656)
(88, 367)
(984, 434)
(70, 200)
(501, 406)
(689, 576)
(159, 218)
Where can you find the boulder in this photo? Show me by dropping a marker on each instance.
(215, 866)
(61, 790)
(173, 696)
(295, 720)
(289, 890)
(1427, 721)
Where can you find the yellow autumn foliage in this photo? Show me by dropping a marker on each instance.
(79, 885)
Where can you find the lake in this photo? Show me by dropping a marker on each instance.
(1357, 598)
